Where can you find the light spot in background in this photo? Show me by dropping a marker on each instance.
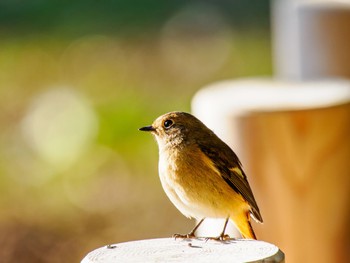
(59, 126)
(88, 54)
(101, 183)
(196, 41)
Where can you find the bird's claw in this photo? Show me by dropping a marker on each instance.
(186, 236)
(219, 238)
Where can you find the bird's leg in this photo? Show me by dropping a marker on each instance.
(222, 236)
(192, 233)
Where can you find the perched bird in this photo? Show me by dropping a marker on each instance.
(201, 175)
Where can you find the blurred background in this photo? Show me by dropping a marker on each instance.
(77, 80)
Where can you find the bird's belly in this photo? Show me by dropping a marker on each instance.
(200, 194)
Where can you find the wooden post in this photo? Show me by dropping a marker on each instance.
(294, 142)
(186, 250)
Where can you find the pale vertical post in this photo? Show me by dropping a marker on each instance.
(311, 39)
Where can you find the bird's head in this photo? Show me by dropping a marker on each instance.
(175, 128)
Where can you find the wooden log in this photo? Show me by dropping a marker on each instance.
(186, 250)
(294, 142)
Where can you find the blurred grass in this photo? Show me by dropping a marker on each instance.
(111, 193)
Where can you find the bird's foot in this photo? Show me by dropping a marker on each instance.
(219, 238)
(186, 236)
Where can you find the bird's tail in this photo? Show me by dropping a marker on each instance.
(242, 222)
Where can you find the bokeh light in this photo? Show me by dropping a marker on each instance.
(196, 41)
(59, 126)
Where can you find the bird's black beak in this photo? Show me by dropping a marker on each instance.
(147, 128)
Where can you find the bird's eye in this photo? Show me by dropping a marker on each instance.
(168, 123)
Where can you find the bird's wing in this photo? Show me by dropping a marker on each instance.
(230, 169)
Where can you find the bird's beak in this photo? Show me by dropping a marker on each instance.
(148, 128)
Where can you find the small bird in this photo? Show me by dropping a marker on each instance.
(201, 175)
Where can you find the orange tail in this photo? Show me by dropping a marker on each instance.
(242, 222)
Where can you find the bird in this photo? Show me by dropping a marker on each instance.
(201, 174)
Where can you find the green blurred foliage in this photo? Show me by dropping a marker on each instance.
(111, 55)
(82, 17)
